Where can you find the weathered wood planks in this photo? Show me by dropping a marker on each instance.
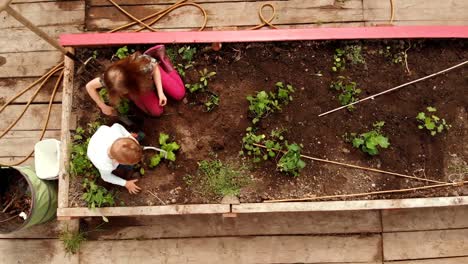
(20, 143)
(270, 249)
(9, 87)
(33, 119)
(28, 64)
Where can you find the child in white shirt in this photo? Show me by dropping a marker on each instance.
(111, 146)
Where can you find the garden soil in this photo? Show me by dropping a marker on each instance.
(245, 68)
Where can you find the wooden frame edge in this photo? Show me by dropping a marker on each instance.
(128, 38)
(145, 210)
(349, 205)
(65, 137)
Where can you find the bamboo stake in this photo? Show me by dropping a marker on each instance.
(394, 88)
(358, 167)
(368, 193)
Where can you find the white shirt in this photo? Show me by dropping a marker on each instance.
(98, 151)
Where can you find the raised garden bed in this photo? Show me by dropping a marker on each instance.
(246, 68)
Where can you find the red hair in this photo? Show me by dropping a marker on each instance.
(127, 77)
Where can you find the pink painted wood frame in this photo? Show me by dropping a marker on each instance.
(393, 32)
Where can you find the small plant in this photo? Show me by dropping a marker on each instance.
(95, 54)
(122, 52)
(261, 105)
(201, 86)
(213, 101)
(291, 162)
(122, 108)
(348, 89)
(96, 196)
(284, 92)
(169, 147)
(248, 145)
(186, 53)
(370, 142)
(272, 145)
(338, 60)
(72, 241)
(431, 122)
(80, 165)
(354, 54)
(396, 58)
(219, 179)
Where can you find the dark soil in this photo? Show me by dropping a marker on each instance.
(15, 197)
(243, 69)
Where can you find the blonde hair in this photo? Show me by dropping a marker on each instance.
(126, 151)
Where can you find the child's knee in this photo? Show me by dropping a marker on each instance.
(155, 111)
(179, 94)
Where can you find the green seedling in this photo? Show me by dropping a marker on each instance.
(169, 147)
(202, 85)
(123, 52)
(431, 122)
(348, 89)
(284, 92)
(213, 101)
(96, 196)
(219, 179)
(72, 241)
(261, 105)
(396, 58)
(187, 53)
(339, 60)
(291, 162)
(371, 141)
(354, 54)
(80, 165)
(273, 145)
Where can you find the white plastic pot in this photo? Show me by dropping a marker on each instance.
(47, 159)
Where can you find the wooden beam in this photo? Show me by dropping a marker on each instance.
(425, 219)
(46, 13)
(349, 205)
(269, 249)
(156, 2)
(127, 38)
(460, 260)
(33, 119)
(11, 160)
(20, 143)
(38, 251)
(9, 87)
(425, 244)
(67, 98)
(174, 226)
(28, 64)
(23, 39)
(222, 14)
(145, 210)
(48, 230)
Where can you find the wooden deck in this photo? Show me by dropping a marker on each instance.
(416, 236)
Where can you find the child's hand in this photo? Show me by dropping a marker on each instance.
(162, 100)
(132, 187)
(108, 110)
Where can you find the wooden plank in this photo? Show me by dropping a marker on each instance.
(20, 143)
(416, 10)
(232, 14)
(425, 244)
(242, 225)
(145, 210)
(47, 230)
(12, 160)
(10, 87)
(28, 64)
(461, 260)
(349, 205)
(46, 14)
(23, 39)
(64, 176)
(37, 251)
(125, 3)
(33, 119)
(123, 38)
(425, 219)
(270, 249)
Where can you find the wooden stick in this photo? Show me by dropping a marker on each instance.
(368, 193)
(358, 167)
(394, 88)
(150, 192)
